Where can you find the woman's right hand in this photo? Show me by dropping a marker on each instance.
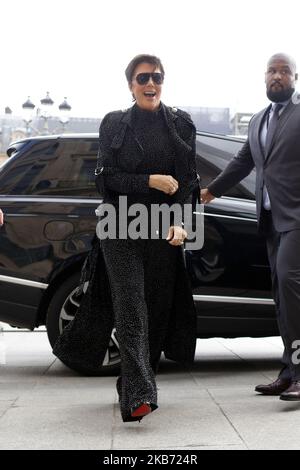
(165, 183)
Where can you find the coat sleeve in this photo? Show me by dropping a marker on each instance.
(109, 175)
(237, 169)
(191, 184)
(187, 131)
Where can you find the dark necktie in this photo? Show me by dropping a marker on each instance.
(272, 126)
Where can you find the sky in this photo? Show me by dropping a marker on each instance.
(214, 51)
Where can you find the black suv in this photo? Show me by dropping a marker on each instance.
(48, 195)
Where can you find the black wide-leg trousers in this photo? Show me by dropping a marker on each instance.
(284, 257)
(142, 280)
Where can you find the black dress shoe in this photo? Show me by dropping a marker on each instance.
(274, 388)
(292, 393)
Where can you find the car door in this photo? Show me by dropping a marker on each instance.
(230, 274)
(48, 195)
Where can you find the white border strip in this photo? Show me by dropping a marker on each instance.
(63, 200)
(23, 282)
(229, 217)
(197, 298)
(233, 300)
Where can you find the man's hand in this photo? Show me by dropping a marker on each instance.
(165, 183)
(176, 235)
(206, 196)
(1, 218)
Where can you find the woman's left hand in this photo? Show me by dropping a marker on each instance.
(176, 235)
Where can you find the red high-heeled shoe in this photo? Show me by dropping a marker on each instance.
(141, 410)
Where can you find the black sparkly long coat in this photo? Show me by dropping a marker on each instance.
(84, 341)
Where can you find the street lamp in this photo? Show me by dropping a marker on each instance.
(28, 108)
(64, 109)
(44, 113)
(46, 104)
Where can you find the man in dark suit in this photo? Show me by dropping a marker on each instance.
(273, 148)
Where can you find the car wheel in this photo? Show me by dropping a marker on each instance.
(61, 311)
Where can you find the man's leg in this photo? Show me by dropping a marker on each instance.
(288, 272)
(273, 246)
(283, 381)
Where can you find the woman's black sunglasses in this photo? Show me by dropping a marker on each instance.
(143, 78)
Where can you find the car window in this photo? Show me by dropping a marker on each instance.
(62, 167)
(213, 155)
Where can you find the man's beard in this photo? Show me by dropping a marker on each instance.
(281, 95)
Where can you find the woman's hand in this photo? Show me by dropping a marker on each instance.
(165, 183)
(1, 218)
(176, 235)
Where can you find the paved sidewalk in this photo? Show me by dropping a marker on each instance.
(44, 405)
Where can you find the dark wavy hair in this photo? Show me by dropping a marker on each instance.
(140, 59)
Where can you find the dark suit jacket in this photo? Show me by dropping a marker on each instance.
(279, 170)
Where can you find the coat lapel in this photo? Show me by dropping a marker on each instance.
(286, 113)
(126, 121)
(260, 119)
(170, 118)
(126, 124)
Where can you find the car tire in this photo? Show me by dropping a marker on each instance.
(61, 310)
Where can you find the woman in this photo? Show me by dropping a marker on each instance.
(147, 154)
